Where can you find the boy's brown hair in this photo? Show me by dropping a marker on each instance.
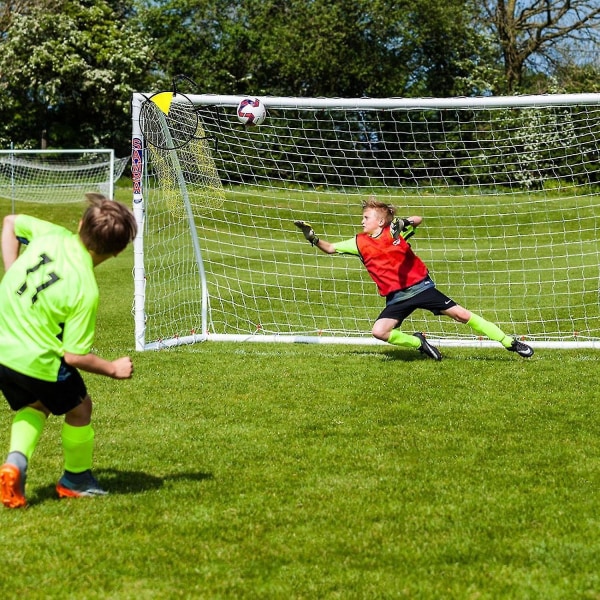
(387, 211)
(107, 226)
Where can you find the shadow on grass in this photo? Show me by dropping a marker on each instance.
(122, 482)
(396, 354)
(475, 354)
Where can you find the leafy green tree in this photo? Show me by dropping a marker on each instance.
(323, 48)
(575, 78)
(10, 8)
(69, 67)
(450, 54)
(317, 47)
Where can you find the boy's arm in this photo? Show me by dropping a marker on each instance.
(10, 243)
(325, 246)
(121, 368)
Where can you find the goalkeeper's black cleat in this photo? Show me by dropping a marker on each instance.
(521, 349)
(427, 348)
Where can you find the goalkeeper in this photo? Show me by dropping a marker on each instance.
(403, 279)
(48, 304)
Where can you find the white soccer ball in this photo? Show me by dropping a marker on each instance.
(251, 111)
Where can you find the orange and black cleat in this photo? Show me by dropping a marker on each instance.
(12, 486)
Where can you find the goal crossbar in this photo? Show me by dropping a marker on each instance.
(478, 102)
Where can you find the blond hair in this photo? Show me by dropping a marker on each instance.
(387, 211)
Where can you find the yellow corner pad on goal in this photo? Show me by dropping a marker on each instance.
(163, 101)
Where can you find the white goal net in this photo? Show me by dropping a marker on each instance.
(508, 189)
(58, 176)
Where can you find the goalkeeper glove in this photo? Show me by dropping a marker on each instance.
(398, 225)
(308, 232)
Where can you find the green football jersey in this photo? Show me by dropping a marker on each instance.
(48, 300)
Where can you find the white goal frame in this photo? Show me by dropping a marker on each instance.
(55, 176)
(183, 188)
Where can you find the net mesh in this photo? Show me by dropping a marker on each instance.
(508, 195)
(54, 178)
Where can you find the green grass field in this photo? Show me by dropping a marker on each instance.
(295, 471)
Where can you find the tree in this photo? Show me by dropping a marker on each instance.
(450, 54)
(317, 47)
(69, 67)
(534, 33)
(10, 8)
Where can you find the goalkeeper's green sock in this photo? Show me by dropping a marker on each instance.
(27, 426)
(397, 338)
(78, 447)
(493, 332)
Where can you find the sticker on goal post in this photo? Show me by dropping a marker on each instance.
(169, 121)
(180, 154)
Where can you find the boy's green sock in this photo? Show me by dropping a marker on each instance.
(397, 338)
(78, 447)
(27, 426)
(493, 332)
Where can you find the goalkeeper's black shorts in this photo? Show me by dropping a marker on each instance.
(430, 299)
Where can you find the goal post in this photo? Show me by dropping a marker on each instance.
(58, 176)
(507, 186)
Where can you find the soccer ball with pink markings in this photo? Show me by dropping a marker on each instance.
(251, 111)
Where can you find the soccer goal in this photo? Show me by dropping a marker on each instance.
(58, 176)
(509, 189)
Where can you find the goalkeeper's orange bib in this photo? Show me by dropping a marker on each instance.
(391, 263)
